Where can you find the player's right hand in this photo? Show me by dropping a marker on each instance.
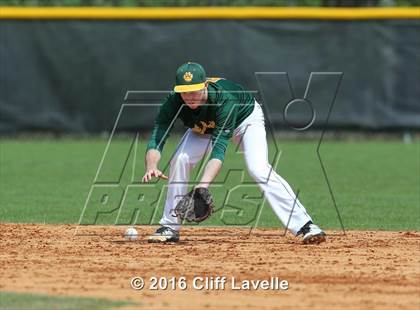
(153, 173)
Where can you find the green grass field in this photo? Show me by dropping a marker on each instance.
(16, 301)
(376, 183)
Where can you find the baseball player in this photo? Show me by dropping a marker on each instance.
(216, 111)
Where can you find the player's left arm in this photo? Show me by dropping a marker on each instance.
(211, 170)
(225, 125)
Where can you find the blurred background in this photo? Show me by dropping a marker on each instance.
(69, 71)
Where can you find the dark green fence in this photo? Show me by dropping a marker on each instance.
(72, 75)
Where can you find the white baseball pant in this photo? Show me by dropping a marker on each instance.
(252, 136)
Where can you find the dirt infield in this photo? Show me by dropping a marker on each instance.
(362, 270)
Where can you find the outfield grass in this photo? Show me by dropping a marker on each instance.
(15, 301)
(376, 183)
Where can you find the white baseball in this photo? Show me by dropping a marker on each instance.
(130, 234)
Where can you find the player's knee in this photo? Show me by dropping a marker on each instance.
(180, 159)
(259, 172)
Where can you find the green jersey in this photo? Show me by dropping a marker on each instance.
(228, 104)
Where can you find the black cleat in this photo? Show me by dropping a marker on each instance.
(312, 234)
(164, 234)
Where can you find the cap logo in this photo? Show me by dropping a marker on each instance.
(188, 76)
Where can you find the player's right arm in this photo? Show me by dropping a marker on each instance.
(152, 160)
(163, 124)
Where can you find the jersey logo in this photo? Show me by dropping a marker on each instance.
(202, 129)
(188, 76)
(214, 79)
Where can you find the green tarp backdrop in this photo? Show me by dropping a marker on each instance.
(74, 75)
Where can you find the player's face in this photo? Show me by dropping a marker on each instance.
(193, 99)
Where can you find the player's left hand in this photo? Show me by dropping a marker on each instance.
(195, 206)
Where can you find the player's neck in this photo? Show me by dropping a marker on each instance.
(205, 96)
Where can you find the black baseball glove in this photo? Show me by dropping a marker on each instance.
(195, 206)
